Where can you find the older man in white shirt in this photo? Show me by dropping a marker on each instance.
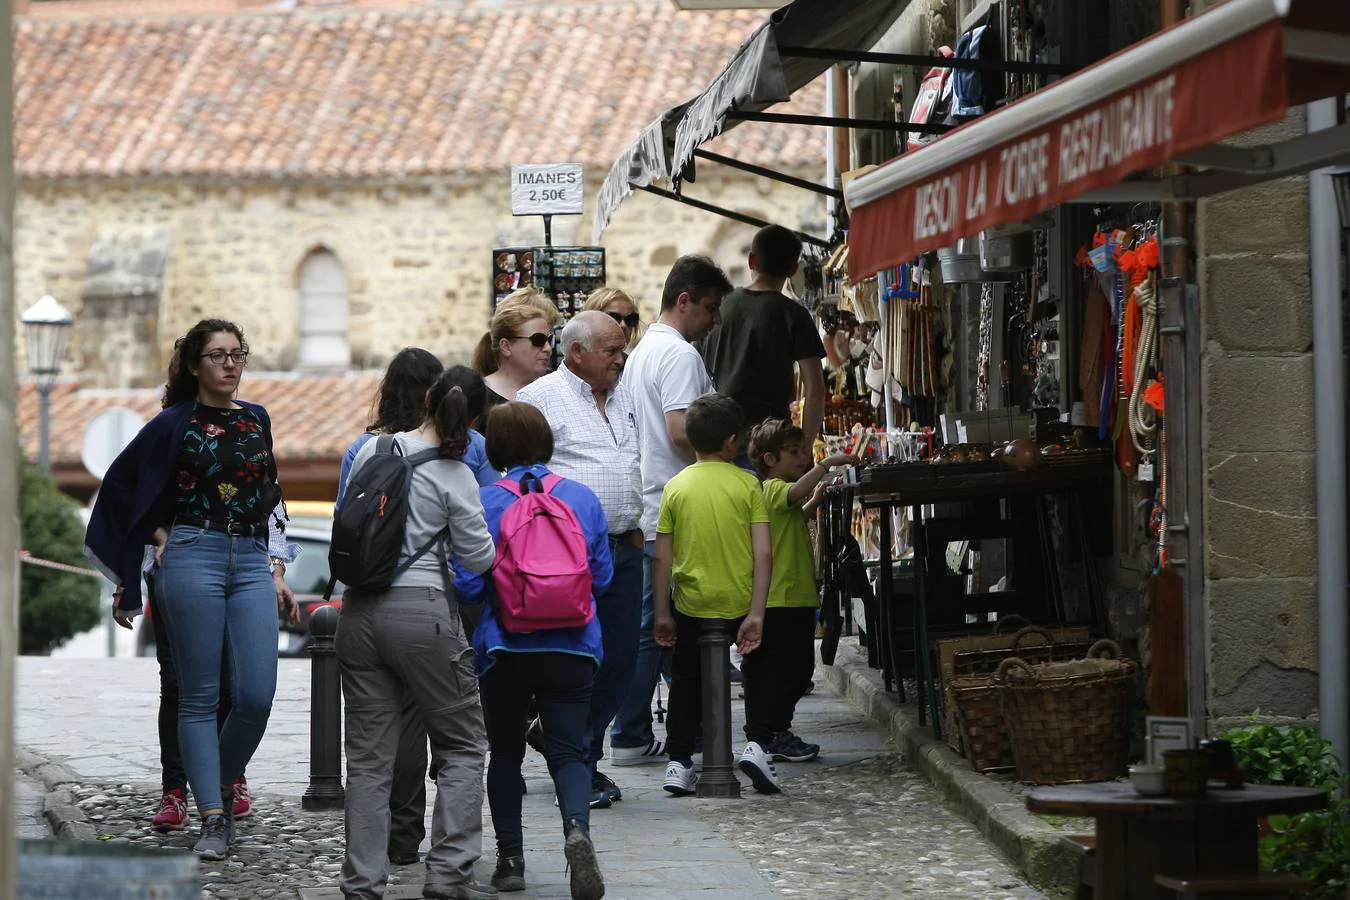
(595, 442)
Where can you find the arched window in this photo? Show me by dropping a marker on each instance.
(323, 312)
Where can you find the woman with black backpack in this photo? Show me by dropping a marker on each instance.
(399, 627)
(538, 636)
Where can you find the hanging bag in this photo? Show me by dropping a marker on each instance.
(543, 572)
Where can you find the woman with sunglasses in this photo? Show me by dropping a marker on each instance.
(518, 345)
(619, 307)
(199, 482)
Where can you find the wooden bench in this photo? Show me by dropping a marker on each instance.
(1233, 887)
(1088, 875)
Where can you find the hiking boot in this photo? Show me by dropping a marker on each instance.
(214, 843)
(654, 751)
(586, 881)
(787, 747)
(602, 782)
(243, 799)
(510, 874)
(680, 779)
(758, 764)
(459, 890)
(173, 812)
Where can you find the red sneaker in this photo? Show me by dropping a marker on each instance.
(243, 799)
(173, 812)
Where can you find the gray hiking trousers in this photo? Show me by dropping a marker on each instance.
(408, 645)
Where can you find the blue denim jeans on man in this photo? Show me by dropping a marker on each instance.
(619, 610)
(633, 723)
(216, 595)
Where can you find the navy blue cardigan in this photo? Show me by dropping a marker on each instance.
(137, 496)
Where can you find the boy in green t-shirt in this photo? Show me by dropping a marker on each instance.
(713, 558)
(787, 655)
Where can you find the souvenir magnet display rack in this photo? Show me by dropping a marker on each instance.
(566, 275)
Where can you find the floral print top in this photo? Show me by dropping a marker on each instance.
(222, 468)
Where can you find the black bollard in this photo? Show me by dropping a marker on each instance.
(325, 715)
(719, 774)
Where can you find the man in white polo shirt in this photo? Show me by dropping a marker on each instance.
(664, 375)
(595, 442)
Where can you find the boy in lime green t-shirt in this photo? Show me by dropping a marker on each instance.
(713, 559)
(787, 653)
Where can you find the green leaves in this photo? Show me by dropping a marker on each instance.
(53, 606)
(1312, 846)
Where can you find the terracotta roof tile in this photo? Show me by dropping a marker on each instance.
(372, 92)
(314, 417)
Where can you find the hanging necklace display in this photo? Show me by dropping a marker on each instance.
(986, 347)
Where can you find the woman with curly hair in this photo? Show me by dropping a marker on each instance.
(199, 483)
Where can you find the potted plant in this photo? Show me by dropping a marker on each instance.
(1313, 846)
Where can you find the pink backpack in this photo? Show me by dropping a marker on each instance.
(543, 572)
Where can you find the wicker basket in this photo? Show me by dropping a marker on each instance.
(979, 721)
(1000, 639)
(975, 719)
(1069, 721)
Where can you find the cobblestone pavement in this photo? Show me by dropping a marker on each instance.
(873, 829)
(856, 824)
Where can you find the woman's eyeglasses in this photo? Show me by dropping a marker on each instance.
(218, 357)
(630, 321)
(538, 339)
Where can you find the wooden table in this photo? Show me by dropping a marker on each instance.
(1140, 837)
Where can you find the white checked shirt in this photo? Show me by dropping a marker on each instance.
(599, 454)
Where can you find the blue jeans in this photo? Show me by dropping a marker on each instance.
(560, 684)
(219, 604)
(620, 612)
(633, 723)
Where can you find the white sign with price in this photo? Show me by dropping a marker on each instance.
(547, 190)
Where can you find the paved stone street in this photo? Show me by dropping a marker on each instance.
(857, 824)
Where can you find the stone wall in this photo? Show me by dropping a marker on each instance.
(417, 257)
(1259, 454)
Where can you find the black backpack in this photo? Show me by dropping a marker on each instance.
(368, 526)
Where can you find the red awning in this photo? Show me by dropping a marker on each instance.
(1227, 71)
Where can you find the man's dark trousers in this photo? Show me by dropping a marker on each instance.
(620, 612)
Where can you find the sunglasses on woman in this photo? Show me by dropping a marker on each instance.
(630, 321)
(539, 339)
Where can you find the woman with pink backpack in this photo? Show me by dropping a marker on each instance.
(538, 636)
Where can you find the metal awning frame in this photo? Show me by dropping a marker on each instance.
(722, 211)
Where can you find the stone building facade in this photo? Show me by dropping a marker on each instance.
(415, 259)
(1258, 447)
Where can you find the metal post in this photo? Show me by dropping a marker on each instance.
(719, 776)
(1333, 614)
(548, 232)
(325, 715)
(44, 388)
(9, 471)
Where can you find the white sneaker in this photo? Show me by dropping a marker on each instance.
(649, 754)
(758, 764)
(681, 780)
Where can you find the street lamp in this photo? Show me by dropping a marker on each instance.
(47, 324)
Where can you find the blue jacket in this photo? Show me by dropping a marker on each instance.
(470, 589)
(475, 457)
(137, 496)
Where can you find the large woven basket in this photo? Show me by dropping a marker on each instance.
(972, 699)
(979, 721)
(1069, 721)
(1001, 638)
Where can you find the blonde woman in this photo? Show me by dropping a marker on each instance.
(518, 345)
(618, 306)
